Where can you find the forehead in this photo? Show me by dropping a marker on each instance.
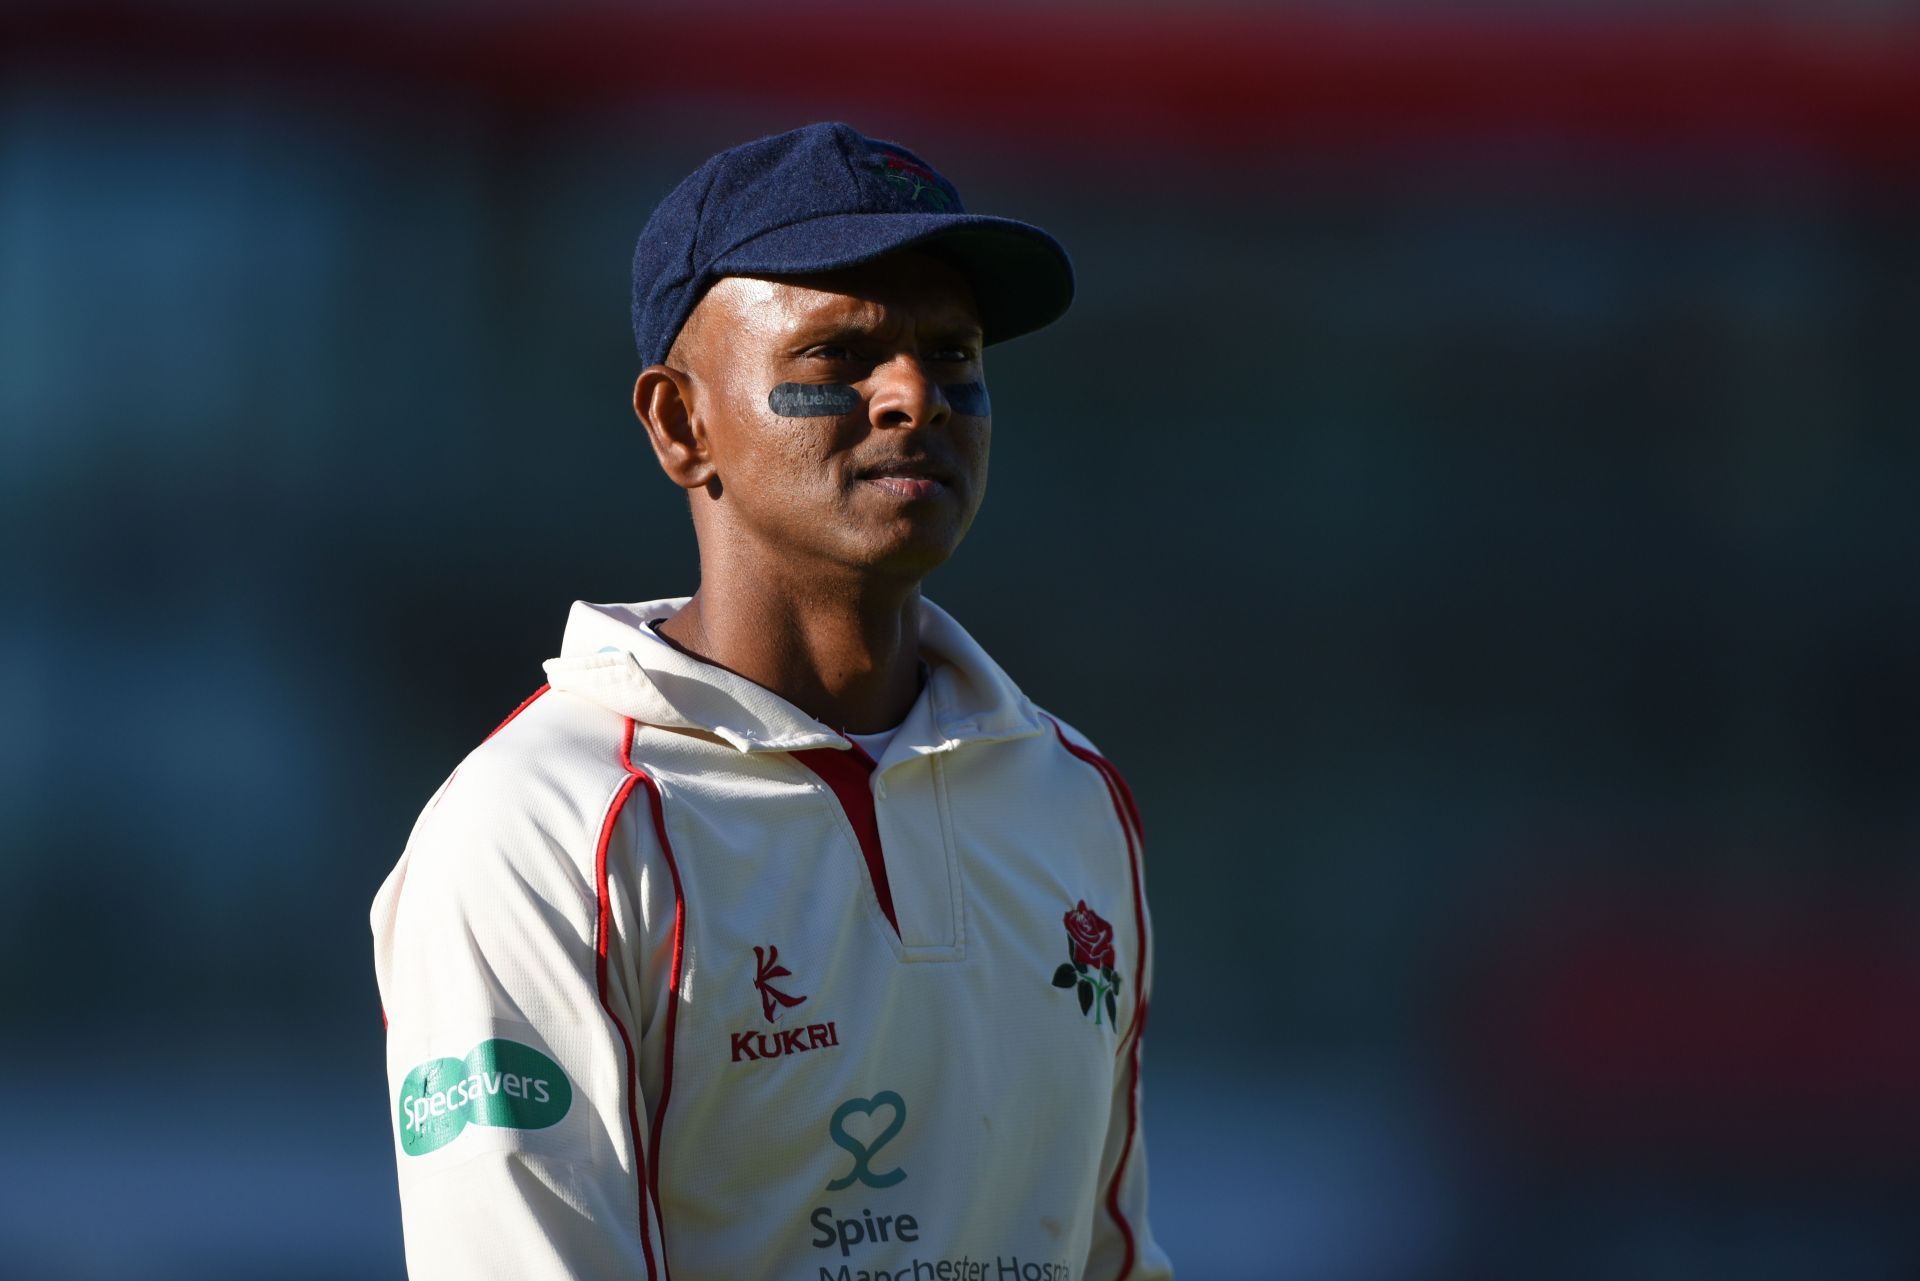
(899, 287)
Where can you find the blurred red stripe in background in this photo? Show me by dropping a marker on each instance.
(1842, 90)
(1618, 1025)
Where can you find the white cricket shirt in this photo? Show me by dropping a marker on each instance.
(678, 984)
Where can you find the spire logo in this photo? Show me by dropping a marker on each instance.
(864, 1152)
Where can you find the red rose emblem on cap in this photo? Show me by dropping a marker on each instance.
(1090, 938)
(1090, 973)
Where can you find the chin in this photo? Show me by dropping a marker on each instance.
(913, 563)
(914, 556)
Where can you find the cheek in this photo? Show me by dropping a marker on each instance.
(975, 445)
(778, 459)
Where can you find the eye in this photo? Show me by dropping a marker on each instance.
(839, 353)
(954, 354)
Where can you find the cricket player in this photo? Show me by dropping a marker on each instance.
(780, 935)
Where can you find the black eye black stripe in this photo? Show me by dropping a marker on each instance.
(830, 400)
(813, 400)
(969, 398)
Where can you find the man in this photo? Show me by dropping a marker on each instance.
(780, 935)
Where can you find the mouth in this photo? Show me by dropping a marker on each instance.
(908, 477)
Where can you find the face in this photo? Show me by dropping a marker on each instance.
(838, 419)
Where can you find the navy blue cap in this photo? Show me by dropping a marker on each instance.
(825, 197)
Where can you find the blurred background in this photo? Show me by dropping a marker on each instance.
(1472, 499)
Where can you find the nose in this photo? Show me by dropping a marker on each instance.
(903, 394)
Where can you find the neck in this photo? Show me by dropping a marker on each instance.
(849, 656)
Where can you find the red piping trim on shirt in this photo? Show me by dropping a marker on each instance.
(673, 1003)
(603, 929)
(850, 775)
(525, 703)
(1128, 814)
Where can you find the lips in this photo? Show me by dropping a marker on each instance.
(908, 477)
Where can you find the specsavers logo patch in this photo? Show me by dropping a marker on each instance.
(499, 1083)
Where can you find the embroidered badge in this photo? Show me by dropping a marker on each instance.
(918, 182)
(767, 968)
(1090, 970)
(755, 1046)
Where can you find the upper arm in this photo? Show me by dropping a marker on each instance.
(511, 1029)
(1123, 1247)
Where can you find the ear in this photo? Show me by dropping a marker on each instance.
(663, 401)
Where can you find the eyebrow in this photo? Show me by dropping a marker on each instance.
(969, 329)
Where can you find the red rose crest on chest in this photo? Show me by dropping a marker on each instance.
(1089, 970)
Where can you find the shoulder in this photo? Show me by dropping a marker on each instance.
(1066, 735)
(1082, 749)
(538, 786)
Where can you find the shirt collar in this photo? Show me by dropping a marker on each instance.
(610, 656)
